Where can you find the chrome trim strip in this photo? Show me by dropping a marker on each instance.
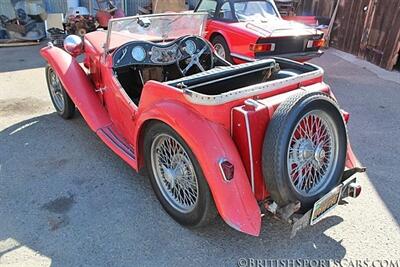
(249, 59)
(246, 119)
(120, 144)
(252, 90)
(292, 56)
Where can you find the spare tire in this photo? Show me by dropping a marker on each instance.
(304, 149)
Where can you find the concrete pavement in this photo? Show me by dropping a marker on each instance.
(68, 200)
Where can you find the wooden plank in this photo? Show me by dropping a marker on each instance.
(342, 30)
(391, 46)
(382, 22)
(367, 28)
(331, 23)
(334, 36)
(360, 16)
(350, 26)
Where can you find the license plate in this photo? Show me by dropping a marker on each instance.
(325, 205)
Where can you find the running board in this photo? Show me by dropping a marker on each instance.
(117, 143)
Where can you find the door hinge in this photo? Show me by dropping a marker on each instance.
(101, 90)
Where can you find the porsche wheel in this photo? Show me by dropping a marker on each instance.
(304, 149)
(176, 177)
(221, 48)
(61, 101)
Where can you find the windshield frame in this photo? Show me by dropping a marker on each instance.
(135, 18)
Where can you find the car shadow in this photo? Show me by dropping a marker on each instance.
(373, 105)
(67, 196)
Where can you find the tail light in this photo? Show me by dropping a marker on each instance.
(346, 116)
(256, 48)
(316, 43)
(354, 190)
(227, 169)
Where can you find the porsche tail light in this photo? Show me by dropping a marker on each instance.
(256, 48)
(316, 43)
(227, 169)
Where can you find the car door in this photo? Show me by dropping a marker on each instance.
(120, 107)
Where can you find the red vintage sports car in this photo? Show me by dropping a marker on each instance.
(253, 29)
(215, 138)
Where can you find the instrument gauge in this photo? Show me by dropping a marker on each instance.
(190, 47)
(138, 53)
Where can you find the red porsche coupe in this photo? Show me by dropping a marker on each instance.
(243, 30)
(215, 138)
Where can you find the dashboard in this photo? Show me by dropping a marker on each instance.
(148, 53)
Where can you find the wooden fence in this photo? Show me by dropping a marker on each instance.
(369, 29)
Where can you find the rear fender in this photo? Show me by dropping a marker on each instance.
(78, 86)
(210, 142)
(351, 159)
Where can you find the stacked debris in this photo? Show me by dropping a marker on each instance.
(25, 22)
(78, 21)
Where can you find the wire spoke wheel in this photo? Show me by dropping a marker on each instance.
(174, 173)
(56, 91)
(312, 153)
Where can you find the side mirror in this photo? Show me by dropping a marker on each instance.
(73, 44)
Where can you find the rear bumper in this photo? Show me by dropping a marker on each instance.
(302, 56)
(348, 188)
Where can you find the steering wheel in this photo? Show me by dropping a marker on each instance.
(194, 52)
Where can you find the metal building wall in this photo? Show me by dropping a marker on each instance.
(6, 9)
(55, 6)
(131, 6)
(60, 6)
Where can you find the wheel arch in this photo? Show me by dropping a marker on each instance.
(215, 34)
(234, 200)
(218, 33)
(140, 141)
(78, 86)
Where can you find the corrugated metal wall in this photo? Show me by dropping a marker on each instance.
(55, 6)
(60, 6)
(131, 6)
(6, 9)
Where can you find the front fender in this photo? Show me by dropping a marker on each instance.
(78, 86)
(210, 142)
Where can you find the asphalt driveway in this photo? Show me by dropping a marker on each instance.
(67, 200)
